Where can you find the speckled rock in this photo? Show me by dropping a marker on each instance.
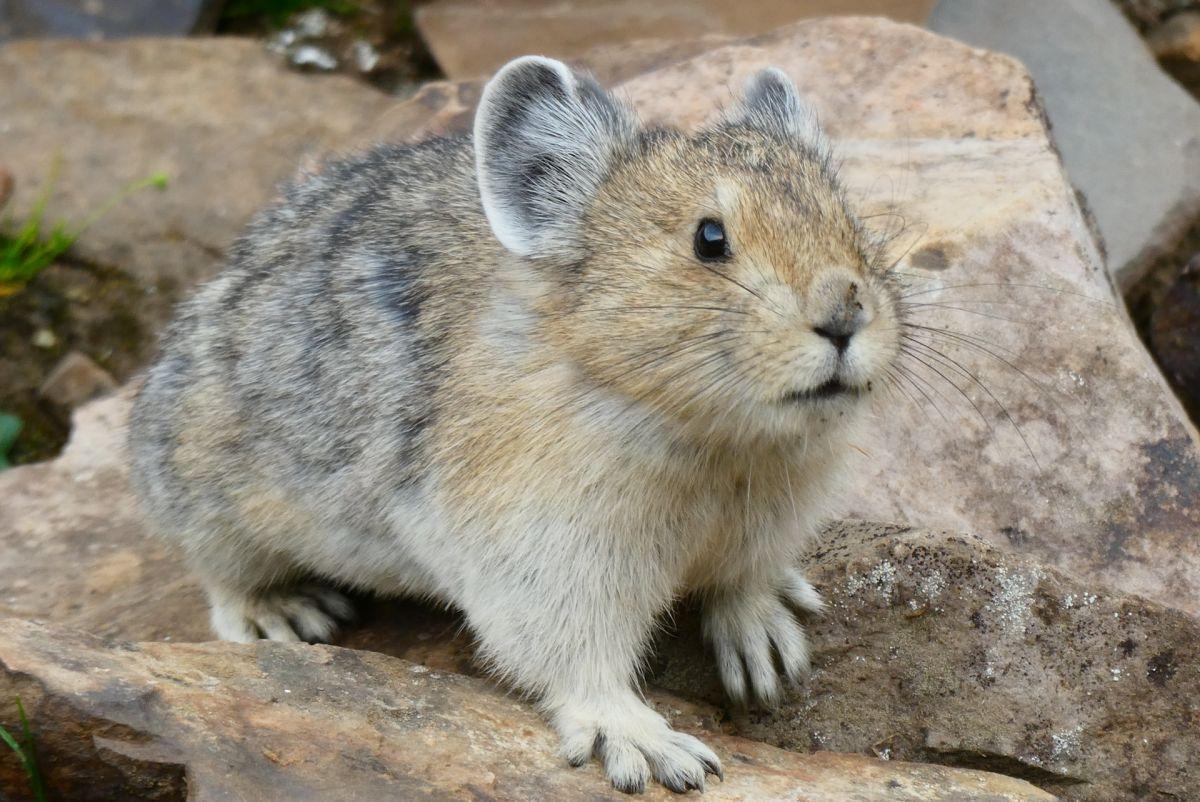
(941, 648)
(286, 721)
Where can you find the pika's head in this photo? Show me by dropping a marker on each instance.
(718, 277)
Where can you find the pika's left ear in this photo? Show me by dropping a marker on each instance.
(771, 102)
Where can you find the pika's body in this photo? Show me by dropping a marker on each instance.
(557, 375)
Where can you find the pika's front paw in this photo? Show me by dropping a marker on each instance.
(309, 613)
(746, 627)
(634, 743)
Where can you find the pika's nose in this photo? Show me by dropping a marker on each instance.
(844, 311)
(837, 332)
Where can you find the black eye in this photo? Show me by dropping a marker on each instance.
(711, 244)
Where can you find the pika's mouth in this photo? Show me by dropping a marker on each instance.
(834, 388)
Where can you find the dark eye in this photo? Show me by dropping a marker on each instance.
(711, 244)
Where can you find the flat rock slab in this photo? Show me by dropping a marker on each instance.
(220, 117)
(1129, 134)
(290, 721)
(938, 647)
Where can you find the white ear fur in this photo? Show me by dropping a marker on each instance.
(771, 101)
(544, 139)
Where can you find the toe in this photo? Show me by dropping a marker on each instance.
(729, 666)
(275, 627)
(760, 665)
(674, 765)
(699, 750)
(310, 621)
(334, 603)
(624, 764)
(790, 642)
(799, 592)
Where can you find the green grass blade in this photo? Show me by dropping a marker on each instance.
(31, 764)
(25, 753)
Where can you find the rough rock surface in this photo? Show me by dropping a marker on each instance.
(952, 139)
(570, 29)
(941, 648)
(220, 117)
(1130, 136)
(297, 722)
(1061, 438)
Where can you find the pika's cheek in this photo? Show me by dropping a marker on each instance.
(874, 351)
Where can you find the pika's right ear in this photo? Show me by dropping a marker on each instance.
(544, 139)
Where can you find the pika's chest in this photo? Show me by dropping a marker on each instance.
(735, 514)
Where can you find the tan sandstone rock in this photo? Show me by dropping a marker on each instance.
(470, 38)
(220, 117)
(286, 721)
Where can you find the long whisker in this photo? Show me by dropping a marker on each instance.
(935, 353)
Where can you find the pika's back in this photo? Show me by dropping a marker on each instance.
(318, 352)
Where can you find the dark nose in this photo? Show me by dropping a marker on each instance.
(837, 332)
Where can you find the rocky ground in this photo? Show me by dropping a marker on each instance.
(1024, 627)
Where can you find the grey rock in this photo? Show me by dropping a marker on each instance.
(1129, 135)
(939, 647)
(105, 19)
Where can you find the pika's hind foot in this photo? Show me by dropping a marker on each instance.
(306, 613)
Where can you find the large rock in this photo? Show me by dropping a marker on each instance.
(569, 30)
(275, 721)
(938, 647)
(952, 139)
(220, 117)
(1130, 136)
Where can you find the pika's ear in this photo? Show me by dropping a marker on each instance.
(544, 139)
(771, 102)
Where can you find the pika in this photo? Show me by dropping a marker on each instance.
(555, 374)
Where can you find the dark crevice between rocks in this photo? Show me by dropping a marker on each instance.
(72, 305)
(1049, 781)
(1165, 307)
